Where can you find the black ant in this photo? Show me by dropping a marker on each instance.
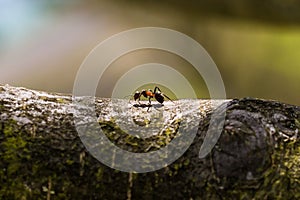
(157, 94)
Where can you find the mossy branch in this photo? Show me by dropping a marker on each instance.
(257, 155)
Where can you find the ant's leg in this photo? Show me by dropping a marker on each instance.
(148, 108)
(149, 100)
(139, 98)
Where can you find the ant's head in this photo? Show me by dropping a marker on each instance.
(159, 97)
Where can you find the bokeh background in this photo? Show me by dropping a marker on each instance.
(255, 43)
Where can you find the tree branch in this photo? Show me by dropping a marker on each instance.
(257, 155)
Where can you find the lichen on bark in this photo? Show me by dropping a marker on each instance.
(256, 157)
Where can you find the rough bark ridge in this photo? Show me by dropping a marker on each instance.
(42, 156)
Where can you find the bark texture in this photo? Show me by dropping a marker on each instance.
(42, 156)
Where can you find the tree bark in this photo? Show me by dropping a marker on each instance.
(42, 157)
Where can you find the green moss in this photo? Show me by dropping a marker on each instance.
(99, 174)
(13, 154)
(61, 100)
(69, 162)
(186, 162)
(280, 181)
(32, 168)
(133, 143)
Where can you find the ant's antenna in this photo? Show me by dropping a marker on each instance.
(168, 98)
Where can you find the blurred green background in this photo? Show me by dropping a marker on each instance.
(255, 43)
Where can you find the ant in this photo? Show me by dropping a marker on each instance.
(157, 94)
